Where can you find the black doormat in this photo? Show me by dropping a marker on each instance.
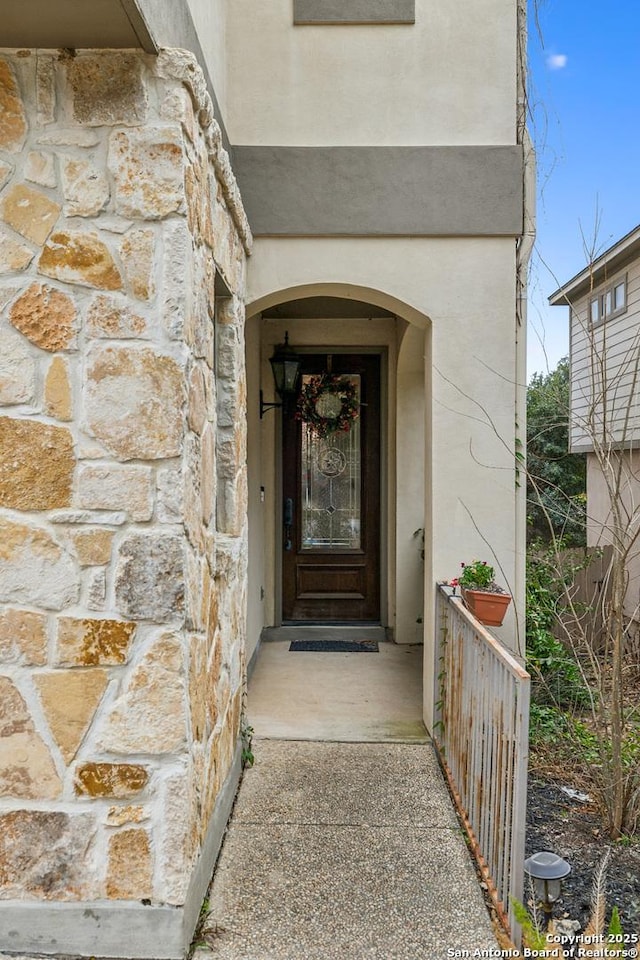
(334, 646)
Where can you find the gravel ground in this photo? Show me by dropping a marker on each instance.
(571, 828)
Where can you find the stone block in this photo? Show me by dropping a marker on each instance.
(45, 89)
(150, 716)
(175, 846)
(107, 88)
(198, 407)
(114, 487)
(230, 354)
(27, 770)
(114, 780)
(114, 224)
(13, 121)
(227, 740)
(93, 547)
(14, 256)
(108, 518)
(178, 106)
(193, 492)
(117, 816)
(81, 258)
(46, 855)
(17, 369)
(91, 642)
(23, 637)
(193, 591)
(177, 276)
(5, 172)
(197, 688)
(193, 193)
(213, 614)
(231, 451)
(227, 404)
(70, 138)
(228, 250)
(8, 291)
(205, 593)
(58, 401)
(31, 213)
(208, 468)
(137, 253)
(69, 701)
(88, 450)
(96, 589)
(231, 312)
(149, 580)
(198, 329)
(37, 464)
(107, 317)
(134, 400)
(34, 568)
(231, 504)
(46, 316)
(85, 187)
(207, 212)
(40, 168)
(147, 167)
(129, 868)
(170, 495)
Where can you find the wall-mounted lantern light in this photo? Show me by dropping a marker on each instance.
(547, 870)
(285, 365)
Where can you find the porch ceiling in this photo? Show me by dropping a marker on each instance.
(74, 24)
(324, 308)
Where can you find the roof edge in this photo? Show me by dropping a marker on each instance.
(621, 250)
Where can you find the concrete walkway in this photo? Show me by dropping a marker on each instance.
(343, 844)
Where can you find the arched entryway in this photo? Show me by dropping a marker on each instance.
(361, 333)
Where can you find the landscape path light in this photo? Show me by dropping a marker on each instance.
(547, 870)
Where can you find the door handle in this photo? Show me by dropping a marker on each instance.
(288, 522)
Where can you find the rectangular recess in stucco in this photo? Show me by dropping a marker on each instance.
(354, 11)
(381, 191)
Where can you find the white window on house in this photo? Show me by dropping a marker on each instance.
(609, 302)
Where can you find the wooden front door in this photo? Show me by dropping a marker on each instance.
(331, 508)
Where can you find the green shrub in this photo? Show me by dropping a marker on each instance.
(550, 726)
(556, 676)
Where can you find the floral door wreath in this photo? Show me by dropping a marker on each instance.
(328, 403)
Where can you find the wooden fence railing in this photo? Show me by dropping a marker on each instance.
(481, 735)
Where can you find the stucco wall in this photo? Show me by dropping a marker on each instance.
(210, 22)
(122, 480)
(450, 78)
(462, 291)
(410, 487)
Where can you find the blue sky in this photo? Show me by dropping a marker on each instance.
(584, 91)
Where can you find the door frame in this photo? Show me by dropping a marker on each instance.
(383, 353)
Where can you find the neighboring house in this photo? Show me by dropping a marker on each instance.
(182, 182)
(604, 302)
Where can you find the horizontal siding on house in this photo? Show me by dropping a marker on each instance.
(608, 353)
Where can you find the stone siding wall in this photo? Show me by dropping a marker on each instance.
(122, 473)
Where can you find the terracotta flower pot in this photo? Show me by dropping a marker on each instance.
(488, 608)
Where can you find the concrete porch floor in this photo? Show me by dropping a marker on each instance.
(343, 844)
(337, 696)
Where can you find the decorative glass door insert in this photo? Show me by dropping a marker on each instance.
(330, 482)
